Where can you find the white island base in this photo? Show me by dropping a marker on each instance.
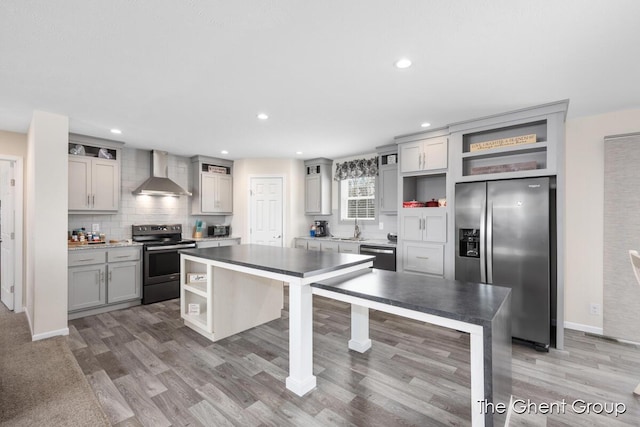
(228, 301)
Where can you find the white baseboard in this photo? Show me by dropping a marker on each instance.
(37, 337)
(583, 328)
(29, 321)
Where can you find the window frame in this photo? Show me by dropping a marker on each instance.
(342, 206)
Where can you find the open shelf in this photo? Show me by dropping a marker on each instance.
(517, 151)
(197, 288)
(507, 151)
(199, 320)
(424, 188)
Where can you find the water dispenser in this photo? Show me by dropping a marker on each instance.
(469, 240)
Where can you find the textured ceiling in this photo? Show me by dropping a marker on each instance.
(189, 77)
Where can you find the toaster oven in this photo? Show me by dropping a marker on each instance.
(219, 230)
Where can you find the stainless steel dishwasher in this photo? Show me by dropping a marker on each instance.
(385, 256)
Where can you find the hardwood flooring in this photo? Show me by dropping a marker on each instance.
(147, 369)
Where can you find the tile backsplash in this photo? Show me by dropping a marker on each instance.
(136, 168)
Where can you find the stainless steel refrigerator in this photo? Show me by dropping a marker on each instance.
(504, 231)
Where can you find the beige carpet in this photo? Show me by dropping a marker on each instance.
(41, 383)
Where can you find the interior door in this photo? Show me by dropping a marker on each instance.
(266, 211)
(7, 217)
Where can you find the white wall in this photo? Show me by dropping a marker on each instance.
(293, 172)
(584, 212)
(46, 236)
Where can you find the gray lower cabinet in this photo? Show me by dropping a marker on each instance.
(101, 277)
(124, 281)
(218, 242)
(327, 246)
(86, 287)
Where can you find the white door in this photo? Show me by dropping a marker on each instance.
(7, 216)
(266, 211)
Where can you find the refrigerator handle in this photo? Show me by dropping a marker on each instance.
(489, 249)
(483, 236)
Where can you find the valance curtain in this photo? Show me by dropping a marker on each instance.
(359, 168)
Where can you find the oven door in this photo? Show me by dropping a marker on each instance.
(162, 263)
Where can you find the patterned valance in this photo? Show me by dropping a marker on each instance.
(356, 169)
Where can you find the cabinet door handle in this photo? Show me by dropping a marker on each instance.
(86, 259)
(88, 200)
(110, 271)
(422, 257)
(102, 277)
(93, 200)
(122, 256)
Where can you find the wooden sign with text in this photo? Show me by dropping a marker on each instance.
(504, 142)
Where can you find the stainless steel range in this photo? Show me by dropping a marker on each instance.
(161, 263)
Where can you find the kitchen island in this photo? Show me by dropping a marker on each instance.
(248, 279)
(483, 311)
(233, 288)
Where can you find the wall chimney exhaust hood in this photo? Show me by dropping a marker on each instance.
(159, 184)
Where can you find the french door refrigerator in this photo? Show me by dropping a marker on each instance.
(504, 238)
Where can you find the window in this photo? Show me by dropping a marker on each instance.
(358, 198)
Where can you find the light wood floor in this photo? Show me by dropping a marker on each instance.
(147, 369)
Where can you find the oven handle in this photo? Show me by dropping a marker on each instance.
(170, 247)
(376, 251)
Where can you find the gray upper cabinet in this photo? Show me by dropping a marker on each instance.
(317, 187)
(212, 186)
(94, 181)
(387, 188)
(424, 155)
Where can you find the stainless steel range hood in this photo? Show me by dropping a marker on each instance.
(159, 184)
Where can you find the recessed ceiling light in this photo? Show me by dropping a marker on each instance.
(425, 125)
(298, 152)
(403, 63)
(224, 152)
(263, 116)
(116, 131)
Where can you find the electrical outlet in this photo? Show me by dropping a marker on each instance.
(95, 227)
(595, 309)
(381, 225)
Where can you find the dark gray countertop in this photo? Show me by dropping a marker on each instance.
(475, 303)
(289, 261)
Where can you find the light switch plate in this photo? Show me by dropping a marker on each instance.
(95, 227)
(381, 225)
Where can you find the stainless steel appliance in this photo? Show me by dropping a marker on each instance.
(385, 256)
(219, 230)
(505, 237)
(161, 261)
(159, 183)
(322, 228)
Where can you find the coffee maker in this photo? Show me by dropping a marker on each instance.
(322, 228)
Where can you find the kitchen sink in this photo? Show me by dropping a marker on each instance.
(349, 239)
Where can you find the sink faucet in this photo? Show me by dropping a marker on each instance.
(356, 230)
